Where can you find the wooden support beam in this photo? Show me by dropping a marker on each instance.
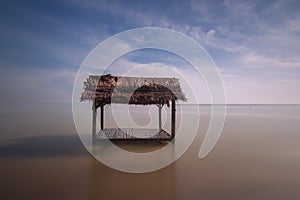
(173, 119)
(102, 117)
(94, 120)
(159, 116)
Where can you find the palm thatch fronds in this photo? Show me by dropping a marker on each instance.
(107, 89)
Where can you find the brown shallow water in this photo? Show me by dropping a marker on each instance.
(257, 157)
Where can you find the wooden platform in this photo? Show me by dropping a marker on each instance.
(133, 134)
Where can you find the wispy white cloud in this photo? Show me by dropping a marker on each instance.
(257, 60)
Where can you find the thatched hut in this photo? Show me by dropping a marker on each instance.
(107, 89)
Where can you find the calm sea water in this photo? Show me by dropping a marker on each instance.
(256, 157)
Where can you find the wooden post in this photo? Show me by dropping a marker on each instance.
(102, 116)
(159, 116)
(94, 122)
(173, 120)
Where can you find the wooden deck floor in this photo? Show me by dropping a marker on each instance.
(133, 134)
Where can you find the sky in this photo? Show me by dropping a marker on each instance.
(254, 44)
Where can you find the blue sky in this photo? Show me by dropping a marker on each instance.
(255, 44)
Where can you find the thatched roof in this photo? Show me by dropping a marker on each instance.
(108, 89)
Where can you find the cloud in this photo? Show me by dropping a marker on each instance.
(211, 33)
(257, 60)
(240, 8)
(249, 40)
